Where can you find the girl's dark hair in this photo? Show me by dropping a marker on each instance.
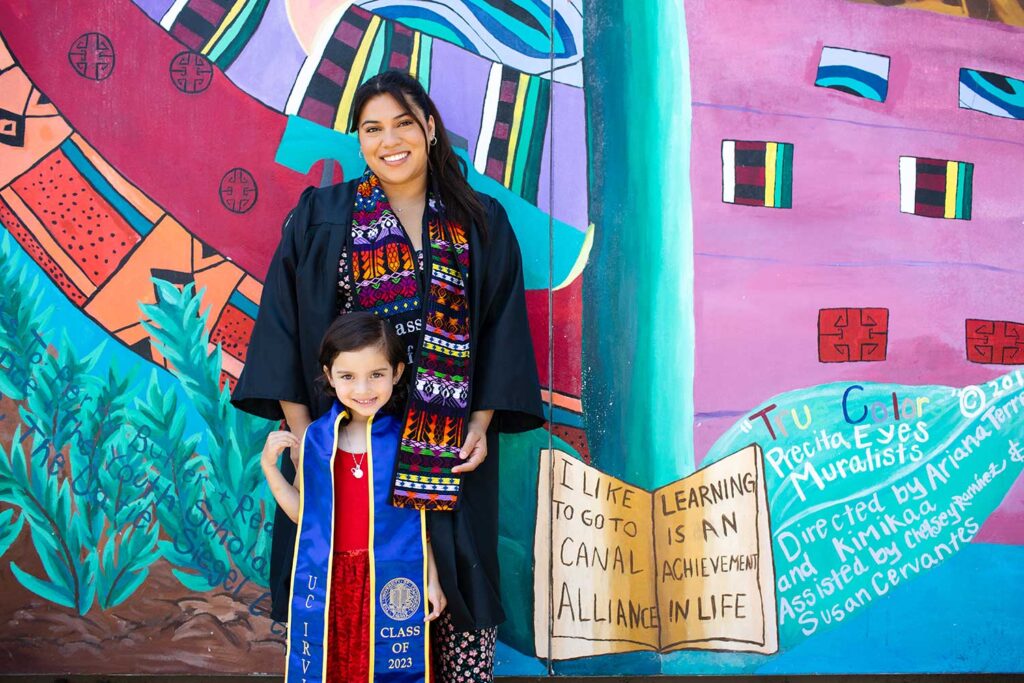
(446, 171)
(354, 332)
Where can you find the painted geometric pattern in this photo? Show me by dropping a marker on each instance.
(936, 188)
(516, 33)
(361, 46)
(515, 117)
(757, 173)
(847, 335)
(217, 29)
(100, 239)
(996, 342)
(858, 73)
(992, 93)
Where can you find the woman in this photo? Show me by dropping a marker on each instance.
(412, 242)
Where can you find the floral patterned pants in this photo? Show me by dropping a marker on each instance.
(462, 657)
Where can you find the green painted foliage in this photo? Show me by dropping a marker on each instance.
(108, 473)
(20, 319)
(10, 528)
(237, 500)
(59, 536)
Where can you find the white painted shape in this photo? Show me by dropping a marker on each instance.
(908, 183)
(729, 171)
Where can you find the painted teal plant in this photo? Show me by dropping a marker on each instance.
(236, 505)
(160, 429)
(88, 522)
(106, 472)
(20, 324)
(105, 461)
(60, 537)
(10, 528)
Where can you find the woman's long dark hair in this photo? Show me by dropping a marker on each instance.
(447, 172)
(356, 331)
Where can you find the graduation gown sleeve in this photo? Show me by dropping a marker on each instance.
(505, 373)
(273, 369)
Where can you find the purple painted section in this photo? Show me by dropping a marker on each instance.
(458, 84)
(156, 9)
(762, 274)
(267, 67)
(569, 145)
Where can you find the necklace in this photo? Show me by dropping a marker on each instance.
(401, 209)
(357, 471)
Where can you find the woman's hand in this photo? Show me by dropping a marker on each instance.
(277, 442)
(437, 600)
(297, 418)
(474, 448)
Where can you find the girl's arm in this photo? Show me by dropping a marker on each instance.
(438, 601)
(286, 495)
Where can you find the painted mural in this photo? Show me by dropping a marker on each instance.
(772, 286)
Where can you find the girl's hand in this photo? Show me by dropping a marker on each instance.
(474, 448)
(277, 442)
(435, 596)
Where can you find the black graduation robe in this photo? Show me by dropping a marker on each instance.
(299, 303)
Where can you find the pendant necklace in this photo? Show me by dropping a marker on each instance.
(357, 471)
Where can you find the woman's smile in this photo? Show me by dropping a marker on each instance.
(396, 158)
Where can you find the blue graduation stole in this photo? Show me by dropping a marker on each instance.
(398, 568)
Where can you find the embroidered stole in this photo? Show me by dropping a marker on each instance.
(398, 567)
(386, 283)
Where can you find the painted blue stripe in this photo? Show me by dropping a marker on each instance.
(978, 85)
(242, 303)
(400, 14)
(567, 45)
(516, 37)
(874, 82)
(135, 219)
(563, 417)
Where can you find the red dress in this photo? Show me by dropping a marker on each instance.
(348, 629)
(348, 654)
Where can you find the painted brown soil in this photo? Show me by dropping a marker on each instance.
(163, 628)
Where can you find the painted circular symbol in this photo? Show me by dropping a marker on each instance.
(400, 598)
(972, 401)
(238, 190)
(92, 56)
(191, 73)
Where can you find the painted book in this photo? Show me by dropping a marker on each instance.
(686, 566)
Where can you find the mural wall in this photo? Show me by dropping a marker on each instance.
(771, 271)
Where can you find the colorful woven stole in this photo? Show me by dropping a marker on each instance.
(386, 283)
(398, 568)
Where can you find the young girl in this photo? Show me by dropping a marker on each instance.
(361, 567)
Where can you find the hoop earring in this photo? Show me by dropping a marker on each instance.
(433, 141)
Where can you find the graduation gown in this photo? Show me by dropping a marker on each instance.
(299, 303)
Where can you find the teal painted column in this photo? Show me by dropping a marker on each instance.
(638, 328)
